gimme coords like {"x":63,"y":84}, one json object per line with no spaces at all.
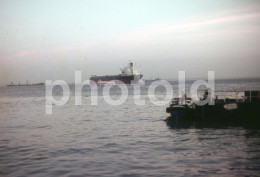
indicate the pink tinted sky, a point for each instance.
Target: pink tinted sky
{"x":215,"y":37}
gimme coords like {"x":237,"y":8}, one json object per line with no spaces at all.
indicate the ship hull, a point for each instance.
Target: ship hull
{"x":125,"y":79}
{"x":13,"y":85}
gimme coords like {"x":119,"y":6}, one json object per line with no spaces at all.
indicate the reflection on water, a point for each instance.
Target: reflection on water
{"x":125,"y":140}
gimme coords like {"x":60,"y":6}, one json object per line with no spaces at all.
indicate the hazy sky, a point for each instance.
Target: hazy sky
{"x":42,"y":40}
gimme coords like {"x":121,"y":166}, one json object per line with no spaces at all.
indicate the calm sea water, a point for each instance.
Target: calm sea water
{"x":125,"y":140}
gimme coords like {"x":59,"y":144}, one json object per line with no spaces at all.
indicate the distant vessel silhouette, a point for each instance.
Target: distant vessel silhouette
{"x":128,"y":74}
{"x":151,"y":80}
{"x":27,"y":84}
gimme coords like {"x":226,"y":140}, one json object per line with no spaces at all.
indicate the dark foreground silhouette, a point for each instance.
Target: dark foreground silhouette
{"x":246,"y":115}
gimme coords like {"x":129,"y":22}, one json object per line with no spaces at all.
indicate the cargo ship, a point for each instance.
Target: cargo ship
{"x":27,"y":84}
{"x":129,"y":74}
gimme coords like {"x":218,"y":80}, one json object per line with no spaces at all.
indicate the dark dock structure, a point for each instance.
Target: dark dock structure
{"x":230,"y":109}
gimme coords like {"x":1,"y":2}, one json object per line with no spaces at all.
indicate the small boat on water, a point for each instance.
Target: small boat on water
{"x":151,"y":80}
{"x":180,"y":106}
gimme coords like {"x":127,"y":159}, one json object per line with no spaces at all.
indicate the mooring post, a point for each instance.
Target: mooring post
{"x":237,"y":95}
{"x":224,"y":93}
{"x":250,"y":96}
